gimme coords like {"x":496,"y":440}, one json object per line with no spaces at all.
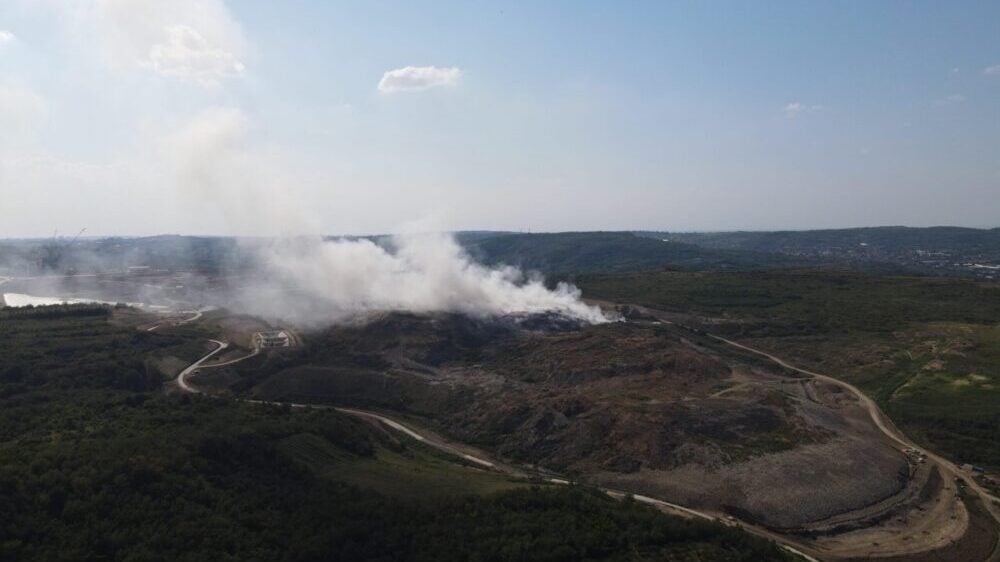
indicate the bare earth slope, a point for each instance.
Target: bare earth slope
{"x":639,"y":406}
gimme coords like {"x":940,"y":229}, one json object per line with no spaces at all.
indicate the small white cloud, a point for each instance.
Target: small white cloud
{"x":6,"y":38}
{"x":416,"y":78}
{"x":995,"y":69}
{"x":950,"y":100}
{"x":187,"y":55}
{"x":794,"y":109}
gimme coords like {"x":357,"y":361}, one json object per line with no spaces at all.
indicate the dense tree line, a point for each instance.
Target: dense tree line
{"x":802,"y":301}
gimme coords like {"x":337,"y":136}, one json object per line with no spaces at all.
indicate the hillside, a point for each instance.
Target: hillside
{"x":925,"y":347}
{"x":117,"y":254}
{"x":98,"y":462}
{"x":580,"y":252}
{"x":943,"y":249}
{"x":633,"y":406}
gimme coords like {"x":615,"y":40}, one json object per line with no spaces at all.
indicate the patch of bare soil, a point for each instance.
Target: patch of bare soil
{"x":785,"y":490}
{"x":133,"y":318}
{"x":170,"y":366}
{"x":931,"y":542}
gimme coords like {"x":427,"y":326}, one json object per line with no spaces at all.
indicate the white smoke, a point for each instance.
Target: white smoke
{"x":312,"y":279}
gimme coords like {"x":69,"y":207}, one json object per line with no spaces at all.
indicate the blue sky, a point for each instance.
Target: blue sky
{"x":144,"y":117}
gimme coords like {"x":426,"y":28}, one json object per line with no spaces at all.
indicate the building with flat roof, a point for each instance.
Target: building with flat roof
{"x":271,"y":339}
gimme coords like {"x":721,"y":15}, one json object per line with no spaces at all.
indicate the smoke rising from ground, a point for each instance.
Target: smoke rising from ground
{"x":306,"y":280}
{"x":316,"y":280}
{"x":290,"y":271}
{"x":311,"y":279}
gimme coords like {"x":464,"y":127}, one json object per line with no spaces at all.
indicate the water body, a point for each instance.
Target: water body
{"x":19,"y":299}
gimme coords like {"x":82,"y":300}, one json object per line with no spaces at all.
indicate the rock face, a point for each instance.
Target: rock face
{"x":638,"y":406}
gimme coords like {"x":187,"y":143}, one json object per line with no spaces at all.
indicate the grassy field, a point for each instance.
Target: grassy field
{"x":413,"y":472}
{"x":928,"y":349}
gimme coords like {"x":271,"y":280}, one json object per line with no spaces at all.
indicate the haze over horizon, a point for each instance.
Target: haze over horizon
{"x":137,"y":117}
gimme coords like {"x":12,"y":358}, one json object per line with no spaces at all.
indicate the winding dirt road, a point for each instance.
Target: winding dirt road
{"x":878,"y":417}
{"x":465,"y":453}
{"x":183,"y":375}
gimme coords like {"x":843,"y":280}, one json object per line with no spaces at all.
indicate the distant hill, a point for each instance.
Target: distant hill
{"x":944,"y":249}
{"x":939,"y":250}
{"x":589,"y":252}
{"x":194,"y":253}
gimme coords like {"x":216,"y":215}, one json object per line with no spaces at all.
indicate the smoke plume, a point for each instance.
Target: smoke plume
{"x":310,"y":278}
{"x":314,"y":280}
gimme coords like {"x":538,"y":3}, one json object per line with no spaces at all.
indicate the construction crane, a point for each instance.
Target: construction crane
{"x":52,"y":254}
{"x":77,"y":237}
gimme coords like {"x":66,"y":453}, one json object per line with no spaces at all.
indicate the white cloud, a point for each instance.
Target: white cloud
{"x":187,"y":55}
{"x":6,"y":38}
{"x":196,"y":40}
{"x":995,"y":69}
{"x":795,"y":108}
{"x":950,"y":100}
{"x":416,"y":78}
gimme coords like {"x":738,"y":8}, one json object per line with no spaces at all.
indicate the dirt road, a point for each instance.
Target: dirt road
{"x":466,"y":453}
{"x":182,"y":377}
{"x":885,"y":425}
{"x":195,"y":315}
{"x":879,"y":419}
{"x":948,"y":469}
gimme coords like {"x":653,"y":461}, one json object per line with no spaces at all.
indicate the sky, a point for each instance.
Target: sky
{"x":142,"y":117}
